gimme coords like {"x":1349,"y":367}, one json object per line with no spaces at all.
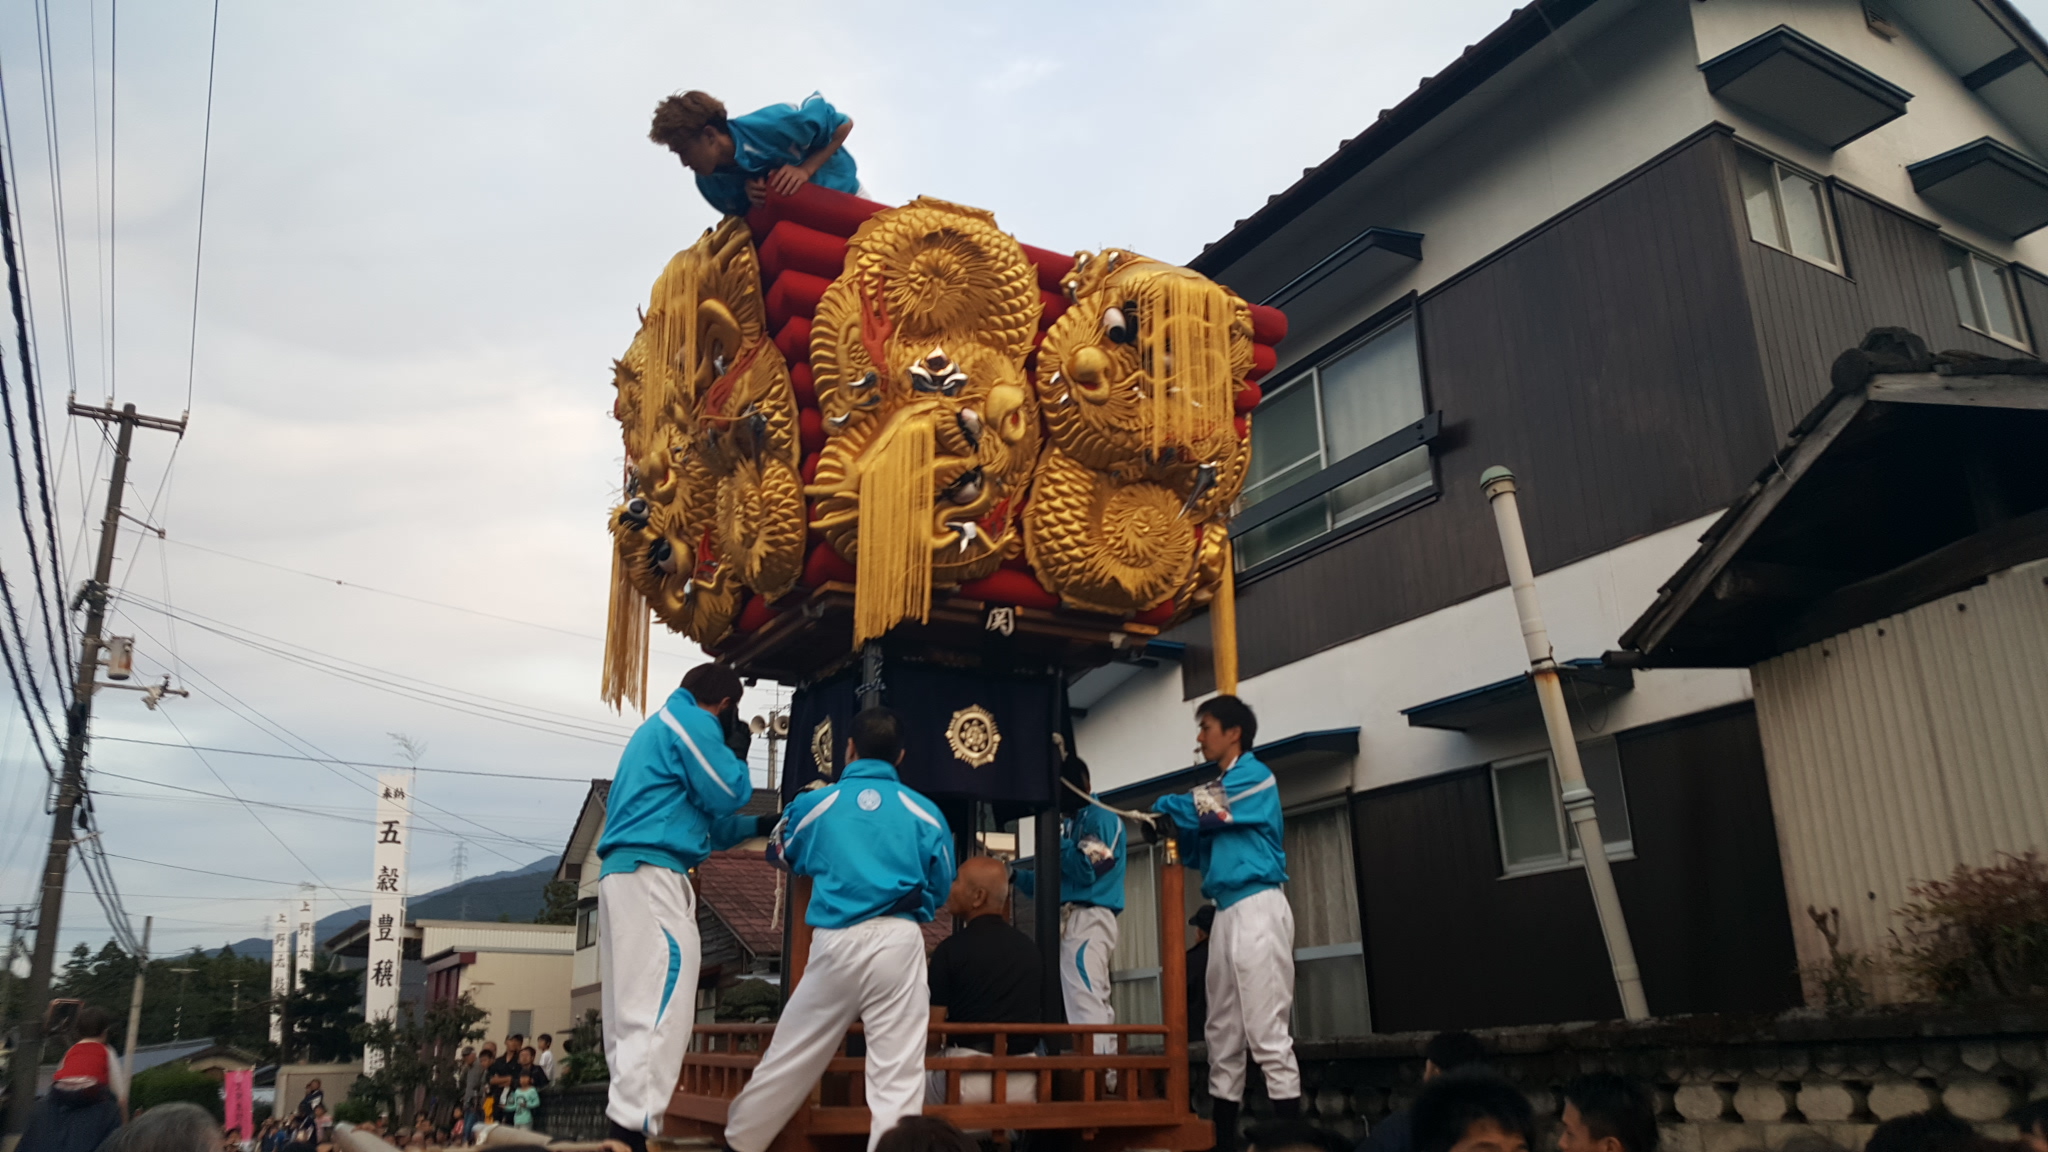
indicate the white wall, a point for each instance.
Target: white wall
{"x":1146,"y":729}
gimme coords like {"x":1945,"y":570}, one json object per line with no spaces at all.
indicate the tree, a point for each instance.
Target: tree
{"x":558,"y":903}
{"x":168,"y":1083}
{"x":419,"y":1055}
{"x":324,"y":1012}
{"x":585,"y":1049}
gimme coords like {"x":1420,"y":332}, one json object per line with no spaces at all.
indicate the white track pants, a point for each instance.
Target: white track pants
{"x":1251,"y":997}
{"x":647,"y":922}
{"x":1087,"y":941}
{"x":873,"y":972}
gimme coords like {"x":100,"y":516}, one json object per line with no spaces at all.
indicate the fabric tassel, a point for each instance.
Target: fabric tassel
{"x":893,"y":580}
{"x":1184,"y":345}
{"x":626,"y":637}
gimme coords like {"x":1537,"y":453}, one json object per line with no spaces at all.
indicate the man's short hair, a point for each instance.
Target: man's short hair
{"x":1922,"y":1132}
{"x":685,"y":116}
{"x":710,"y":683}
{"x":925,"y":1134}
{"x":178,"y":1126}
{"x":1450,"y":1105}
{"x":1450,"y":1051}
{"x":514,"y":1036}
{"x":1615,"y":1106}
{"x":1230,"y":712}
{"x":1294,"y":1136}
{"x":878,"y":735}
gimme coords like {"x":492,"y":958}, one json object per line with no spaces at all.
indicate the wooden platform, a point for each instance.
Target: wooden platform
{"x":813,"y":635}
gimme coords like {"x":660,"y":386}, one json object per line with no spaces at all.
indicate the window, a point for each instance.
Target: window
{"x":586,"y":927}
{"x":1341,"y":406}
{"x":1985,"y":300}
{"x":1787,"y":210}
{"x":1134,"y":969}
{"x":519,"y":1023}
{"x":1329,"y":950}
{"x":1535,"y":836}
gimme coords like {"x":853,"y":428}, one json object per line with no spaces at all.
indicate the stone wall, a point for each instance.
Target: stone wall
{"x":1723,"y":1085}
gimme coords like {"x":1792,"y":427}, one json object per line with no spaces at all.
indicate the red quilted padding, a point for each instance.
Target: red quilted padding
{"x":1053,"y":307}
{"x":756,"y":613}
{"x":1263,"y":360}
{"x":811,"y":428}
{"x":806,"y":388}
{"x":1004,"y":586}
{"x":826,"y":566}
{"x":1051,"y":266}
{"x":1248,"y":396}
{"x":1155,"y":616}
{"x":1244,"y":426}
{"x":1269,"y":325}
{"x":810,"y":468}
{"x":791,"y":247}
{"x":834,"y":213}
{"x":794,"y":294}
{"x":794,"y":338}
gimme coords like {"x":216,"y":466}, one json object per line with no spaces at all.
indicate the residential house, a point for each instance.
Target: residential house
{"x":518,"y":973}
{"x":1615,"y":246}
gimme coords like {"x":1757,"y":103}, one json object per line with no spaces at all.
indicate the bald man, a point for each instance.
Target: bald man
{"x":986,"y":973}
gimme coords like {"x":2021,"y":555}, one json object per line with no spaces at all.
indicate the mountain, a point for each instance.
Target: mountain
{"x":515,"y":893}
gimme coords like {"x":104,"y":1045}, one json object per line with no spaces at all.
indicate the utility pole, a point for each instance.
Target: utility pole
{"x":178,"y":1021}
{"x":77,"y":732}
{"x":135,"y":1009}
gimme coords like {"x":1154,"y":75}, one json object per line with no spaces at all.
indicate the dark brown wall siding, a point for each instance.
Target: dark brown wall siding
{"x":1806,"y":315}
{"x":1608,"y":358}
{"x":2034,"y":298}
{"x":1449,"y":943}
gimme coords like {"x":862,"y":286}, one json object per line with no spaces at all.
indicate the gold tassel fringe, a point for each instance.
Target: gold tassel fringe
{"x":1184,"y":345}
{"x":895,"y":542}
{"x":626,"y":636}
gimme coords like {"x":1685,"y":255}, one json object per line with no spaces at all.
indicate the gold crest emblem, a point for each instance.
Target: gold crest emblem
{"x":973,"y":736}
{"x":821,"y":747}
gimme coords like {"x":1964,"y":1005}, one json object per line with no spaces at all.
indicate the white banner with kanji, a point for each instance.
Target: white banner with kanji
{"x":280,"y":972}
{"x":304,"y":957}
{"x":387,"y":903}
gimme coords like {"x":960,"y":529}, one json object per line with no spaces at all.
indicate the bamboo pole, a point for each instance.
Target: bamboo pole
{"x":1499,"y":484}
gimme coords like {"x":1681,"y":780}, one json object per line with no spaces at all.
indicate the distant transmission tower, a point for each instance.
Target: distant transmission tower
{"x":461,"y":858}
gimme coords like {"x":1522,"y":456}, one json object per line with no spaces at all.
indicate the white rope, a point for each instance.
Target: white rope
{"x":1125,"y":813}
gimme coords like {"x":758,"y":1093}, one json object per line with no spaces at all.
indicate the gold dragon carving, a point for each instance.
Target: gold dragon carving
{"x":1137,"y":382}
{"x":932,"y":430}
{"x":714,"y":500}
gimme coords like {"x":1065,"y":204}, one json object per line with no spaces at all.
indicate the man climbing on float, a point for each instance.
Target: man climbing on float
{"x":1230,"y":831}
{"x":1092,"y":852}
{"x":680,"y":781}
{"x":880,"y":859}
{"x":739,"y":160}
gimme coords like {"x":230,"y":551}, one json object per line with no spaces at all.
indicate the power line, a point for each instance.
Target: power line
{"x":350,"y":763}
{"x":199,"y":245}
{"x":223,"y":875}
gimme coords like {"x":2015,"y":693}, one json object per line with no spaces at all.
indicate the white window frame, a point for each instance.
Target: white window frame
{"x":1827,"y":210}
{"x":2013,"y":304}
{"x":1574,"y":856}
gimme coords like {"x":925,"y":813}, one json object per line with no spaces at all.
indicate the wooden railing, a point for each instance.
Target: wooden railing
{"x":1121,"y":1099}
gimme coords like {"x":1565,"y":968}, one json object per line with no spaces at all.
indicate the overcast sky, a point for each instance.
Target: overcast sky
{"x":427,"y":230}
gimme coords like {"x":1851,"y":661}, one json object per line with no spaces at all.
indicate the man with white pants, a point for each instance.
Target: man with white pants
{"x":880,"y":858}
{"x":672,"y":801}
{"x":1230,"y":830}
{"x":1092,"y":852}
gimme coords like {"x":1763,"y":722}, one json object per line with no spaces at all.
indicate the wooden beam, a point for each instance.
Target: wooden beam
{"x":1930,"y":577}
{"x":2029,"y":393}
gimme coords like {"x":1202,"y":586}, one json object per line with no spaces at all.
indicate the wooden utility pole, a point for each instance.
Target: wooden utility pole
{"x":70,"y":786}
{"x":135,"y":1011}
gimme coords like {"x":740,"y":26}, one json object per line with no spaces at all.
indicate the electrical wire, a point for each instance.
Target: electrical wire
{"x":230,"y":799}
{"x":199,"y":244}
{"x":351,"y":763}
{"x":14,"y":677}
{"x":224,"y":875}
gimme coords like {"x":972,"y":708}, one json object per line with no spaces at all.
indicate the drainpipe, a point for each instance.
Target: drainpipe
{"x":1499,"y":485}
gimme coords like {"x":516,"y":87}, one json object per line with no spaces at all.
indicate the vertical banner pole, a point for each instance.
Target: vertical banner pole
{"x":387,"y":905}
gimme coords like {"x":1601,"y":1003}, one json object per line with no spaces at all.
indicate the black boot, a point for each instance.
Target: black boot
{"x":631,"y":1138}
{"x":1224,"y":1114}
{"x":1287,"y":1109}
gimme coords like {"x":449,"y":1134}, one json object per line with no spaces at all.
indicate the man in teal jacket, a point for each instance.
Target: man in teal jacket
{"x":1092,"y":856}
{"x":672,"y":801}
{"x":880,"y":859}
{"x":1230,"y":830}
{"x":739,"y":160}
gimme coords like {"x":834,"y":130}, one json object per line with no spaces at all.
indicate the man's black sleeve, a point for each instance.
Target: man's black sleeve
{"x":941,"y":974}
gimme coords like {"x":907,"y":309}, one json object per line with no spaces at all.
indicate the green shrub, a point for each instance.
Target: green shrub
{"x":749,"y":1002}
{"x":169,"y":1083}
{"x":1981,"y":934}
{"x":356,"y":1110}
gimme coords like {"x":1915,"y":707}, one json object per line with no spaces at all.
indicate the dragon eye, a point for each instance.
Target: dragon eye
{"x":1118,"y":327}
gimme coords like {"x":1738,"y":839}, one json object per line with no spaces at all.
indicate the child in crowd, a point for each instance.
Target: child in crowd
{"x":525,"y":1099}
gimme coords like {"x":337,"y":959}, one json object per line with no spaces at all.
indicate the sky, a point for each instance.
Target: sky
{"x":427,"y":229}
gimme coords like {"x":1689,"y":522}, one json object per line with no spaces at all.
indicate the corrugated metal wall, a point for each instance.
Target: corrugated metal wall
{"x":1905,"y":747}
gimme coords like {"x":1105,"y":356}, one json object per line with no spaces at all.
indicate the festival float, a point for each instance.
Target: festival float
{"x":894,"y":456}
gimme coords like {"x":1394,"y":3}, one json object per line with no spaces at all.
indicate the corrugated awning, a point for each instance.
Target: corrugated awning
{"x":1504,"y":703}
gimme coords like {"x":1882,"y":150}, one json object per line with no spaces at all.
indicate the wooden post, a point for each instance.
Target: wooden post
{"x":1173,"y":976}
{"x":1223,"y":624}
